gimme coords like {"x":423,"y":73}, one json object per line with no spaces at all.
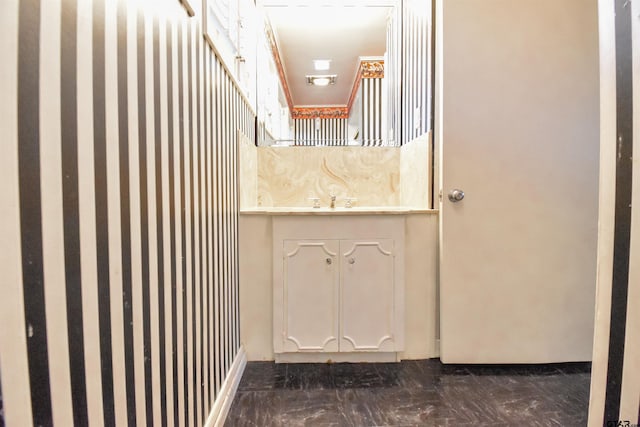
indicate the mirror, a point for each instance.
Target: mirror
{"x":327,"y":73}
{"x":230,"y":29}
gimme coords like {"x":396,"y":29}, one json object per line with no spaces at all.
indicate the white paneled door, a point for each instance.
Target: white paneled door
{"x":517,"y":121}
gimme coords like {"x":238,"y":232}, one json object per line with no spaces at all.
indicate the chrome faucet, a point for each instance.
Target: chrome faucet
{"x":333,"y":201}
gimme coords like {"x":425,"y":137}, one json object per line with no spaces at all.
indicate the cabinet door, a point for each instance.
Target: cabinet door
{"x":311,"y":275}
{"x":367,"y":311}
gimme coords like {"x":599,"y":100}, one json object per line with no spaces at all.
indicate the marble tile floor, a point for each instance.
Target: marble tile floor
{"x":411,"y":393}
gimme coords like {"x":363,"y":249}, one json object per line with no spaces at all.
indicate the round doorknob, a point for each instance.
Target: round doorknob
{"x":352,"y":260}
{"x":456,"y":195}
{"x":329,"y":261}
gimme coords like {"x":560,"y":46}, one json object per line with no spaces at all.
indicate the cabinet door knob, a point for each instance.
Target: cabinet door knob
{"x":352,"y":260}
{"x":329,"y":261}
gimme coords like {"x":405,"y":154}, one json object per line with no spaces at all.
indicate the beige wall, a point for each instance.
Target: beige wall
{"x":421,"y":282}
{"x":256,"y":291}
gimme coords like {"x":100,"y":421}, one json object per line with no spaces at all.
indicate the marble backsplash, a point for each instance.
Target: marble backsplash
{"x":248,"y":171}
{"x":415,"y":173}
{"x":375,"y":176}
{"x":289,"y":176}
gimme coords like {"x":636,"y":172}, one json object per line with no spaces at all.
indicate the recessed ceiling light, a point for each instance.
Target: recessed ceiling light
{"x":322,"y":80}
{"x":322,"y":64}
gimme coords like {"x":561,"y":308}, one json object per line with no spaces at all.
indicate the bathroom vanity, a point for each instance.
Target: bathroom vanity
{"x":338,"y":284}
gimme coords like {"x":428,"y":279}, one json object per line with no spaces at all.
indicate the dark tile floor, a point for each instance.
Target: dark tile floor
{"x":411,"y":393}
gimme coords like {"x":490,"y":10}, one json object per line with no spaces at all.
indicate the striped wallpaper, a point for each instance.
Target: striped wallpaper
{"x":416,"y":59}
{"x":334,"y":132}
{"x":119,"y":214}
{"x":372,"y":120}
{"x":615,"y":374}
{"x":392,"y":70}
{"x":408,"y":72}
{"x":328,"y":132}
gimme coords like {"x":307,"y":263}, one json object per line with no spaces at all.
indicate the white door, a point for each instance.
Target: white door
{"x":517,"y":122}
{"x":367,"y":295}
{"x":310,"y":309}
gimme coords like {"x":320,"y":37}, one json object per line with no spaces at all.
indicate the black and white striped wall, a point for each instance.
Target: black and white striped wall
{"x":320,"y":132}
{"x":615,"y":377}
{"x":334,"y":132}
{"x":119,"y":214}
{"x":416,"y":58}
{"x":372,"y":120}
{"x":408,"y":72}
{"x":392,"y":70}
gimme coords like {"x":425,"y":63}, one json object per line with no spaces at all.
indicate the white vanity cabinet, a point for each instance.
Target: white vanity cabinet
{"x":338,"y":284}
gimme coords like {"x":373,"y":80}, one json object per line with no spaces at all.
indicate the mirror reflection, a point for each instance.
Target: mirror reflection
{"x":326,"y":74}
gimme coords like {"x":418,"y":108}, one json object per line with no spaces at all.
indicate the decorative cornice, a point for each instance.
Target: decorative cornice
{"x":276,"y":58}
{"x":354,"y":90}
{"x":368,"y":69}
{"x":320,"y":112}
{"x":372,"y":69}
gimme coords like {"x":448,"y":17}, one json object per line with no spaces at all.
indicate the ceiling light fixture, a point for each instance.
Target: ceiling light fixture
{"x":322,"y":80}
{"x":322,"y":64}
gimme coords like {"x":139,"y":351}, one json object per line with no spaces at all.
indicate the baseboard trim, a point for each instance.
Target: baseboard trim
{"x":221,"y":406}
{"x":362,"y":357}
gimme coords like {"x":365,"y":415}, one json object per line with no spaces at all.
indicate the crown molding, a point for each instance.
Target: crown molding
{"x":276,"y":58}
{"x":368,"y":69}
{"x":320,"y":112}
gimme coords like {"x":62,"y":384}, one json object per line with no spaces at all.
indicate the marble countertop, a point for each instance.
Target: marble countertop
{"x":358,"y":210}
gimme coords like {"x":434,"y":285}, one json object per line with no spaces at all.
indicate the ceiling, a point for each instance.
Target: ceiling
{"x":339,"y":33}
